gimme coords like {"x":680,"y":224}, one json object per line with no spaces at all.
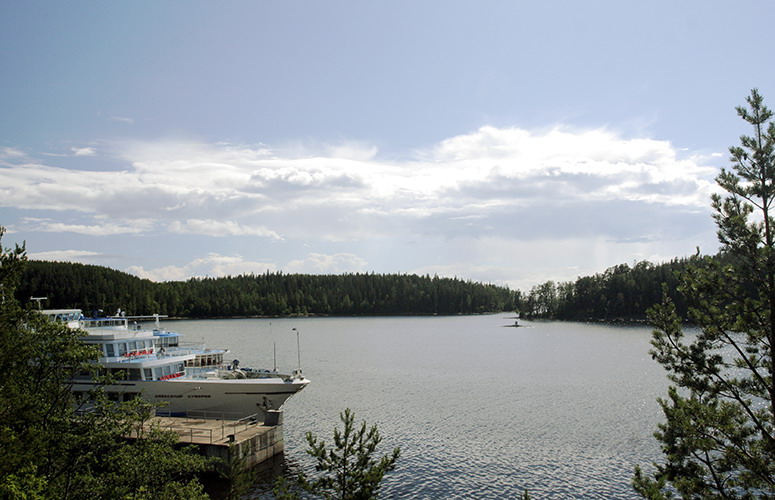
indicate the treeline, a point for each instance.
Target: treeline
{"x":88,"y":287}
{"x":622,"y":292}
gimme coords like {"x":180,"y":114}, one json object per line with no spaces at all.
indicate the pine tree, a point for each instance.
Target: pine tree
{"x":718,"y":436}
{"x":349,"y":470}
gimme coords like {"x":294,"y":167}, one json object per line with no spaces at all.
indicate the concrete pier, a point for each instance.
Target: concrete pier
{"x":214,"y":437}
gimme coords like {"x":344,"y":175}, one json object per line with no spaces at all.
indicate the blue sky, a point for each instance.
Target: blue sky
{"x":505,"y":142}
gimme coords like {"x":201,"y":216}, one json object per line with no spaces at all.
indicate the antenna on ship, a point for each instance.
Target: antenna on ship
{"x":38,"y":300}
{"x":274,"y":346}
{"x":298,"y":349}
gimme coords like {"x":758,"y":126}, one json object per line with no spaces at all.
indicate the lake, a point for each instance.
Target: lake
{"x":479,"y":409}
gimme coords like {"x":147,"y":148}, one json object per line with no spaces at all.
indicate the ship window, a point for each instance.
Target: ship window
{"x":148,"y":374}
{"x":134,"y":374}
{"x":122,"y":348}
{"x":109,"y":350}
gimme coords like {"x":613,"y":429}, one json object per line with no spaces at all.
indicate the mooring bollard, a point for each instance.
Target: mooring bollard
{"x":273,"y":418}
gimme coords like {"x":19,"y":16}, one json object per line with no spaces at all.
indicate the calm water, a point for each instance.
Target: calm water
{"x":564,"y":410}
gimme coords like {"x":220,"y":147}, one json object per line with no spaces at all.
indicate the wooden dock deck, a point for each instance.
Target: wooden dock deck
{"x":248,"y":440}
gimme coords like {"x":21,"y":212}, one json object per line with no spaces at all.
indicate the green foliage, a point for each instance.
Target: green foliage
{"x":718,"y":436}
{"x":237,"y":473}
{"x":70,"y":285}
{"x":349,"y":470}
{"x":622,"y":292}
{"x":47,"y":449}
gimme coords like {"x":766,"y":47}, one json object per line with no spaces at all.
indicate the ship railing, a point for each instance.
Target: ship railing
{"x":128,"y":357}
{"x":108,"y":323}
{"x":206,"y":415}
{"x":181,"y":350}
{"x":187,"y":430}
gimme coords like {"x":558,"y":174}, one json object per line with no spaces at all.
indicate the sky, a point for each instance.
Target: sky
{"x":505,"y":142}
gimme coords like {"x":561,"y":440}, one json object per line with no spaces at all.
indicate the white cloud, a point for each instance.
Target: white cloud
{"x":463,"y":176}
{"x":316,"y":263}
{"x":621,"y":168}
{"x":160,"y":274}
{"x":81,"y":256}
{"x":220,"y":228}
{"x":7,"y":152}
{"x":353,"y":151}
{"x":100,"y":226}
{"x":212,"y":265}
{"x":508,"y":183}
{"x":88,"y":151}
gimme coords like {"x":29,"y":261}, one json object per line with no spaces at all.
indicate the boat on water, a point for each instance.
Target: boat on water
{"x":183,"y":380}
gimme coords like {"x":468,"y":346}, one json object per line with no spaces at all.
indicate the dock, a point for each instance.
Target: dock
{"x":244,"y":440}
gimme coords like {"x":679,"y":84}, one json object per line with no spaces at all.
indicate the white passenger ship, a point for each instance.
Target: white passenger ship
{"x":185,"y":381}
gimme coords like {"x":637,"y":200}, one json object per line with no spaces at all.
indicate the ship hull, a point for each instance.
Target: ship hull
{"x":230,"y":399}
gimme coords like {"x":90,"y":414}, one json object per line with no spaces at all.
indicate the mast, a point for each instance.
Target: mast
{"x":298,"y":349}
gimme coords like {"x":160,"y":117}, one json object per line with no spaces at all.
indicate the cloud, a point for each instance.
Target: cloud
{"x":123,"y":119}
{"x":99,"y":226}
{"x":82,"y":256}
{"x":316,"y":263}
{"x":89,"y":151}
{"x":220,"y":228}
{"x":218,"y":265}
{"x":212,"y":265}
{"x":349,"y":205}
{"x":292,"y":180}
{"x":8,"y":153}
{"x":353,"y":151}
{"x":466,"y":175}
{"x":161,"y":274}
{"x":593,"y":164}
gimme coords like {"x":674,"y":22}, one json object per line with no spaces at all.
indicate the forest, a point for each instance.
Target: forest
{"x":620,"y":293}
{"x":92,"y":288}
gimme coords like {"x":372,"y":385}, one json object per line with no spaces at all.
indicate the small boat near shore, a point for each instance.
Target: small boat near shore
{"x":183,"y":380}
